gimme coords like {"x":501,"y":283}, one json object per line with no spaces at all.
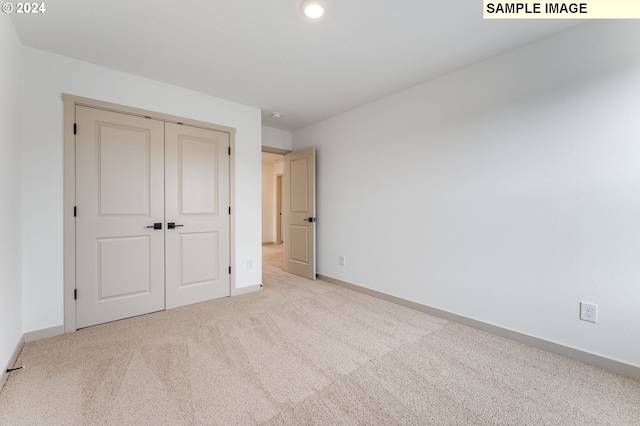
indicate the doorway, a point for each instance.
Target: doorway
{"x":288,"y":207}
{"x":272,"y":172}
{"x":279,"y":208}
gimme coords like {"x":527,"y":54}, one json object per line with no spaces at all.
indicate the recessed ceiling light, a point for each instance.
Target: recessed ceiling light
{"x":276,"y":115}
{"x":312,"y":9}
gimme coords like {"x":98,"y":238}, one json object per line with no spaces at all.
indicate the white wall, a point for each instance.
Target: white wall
{"x":10,"y":190}
{"x":276,"y":138}
{"x":48,"y":76}
{"x":507,"y":192}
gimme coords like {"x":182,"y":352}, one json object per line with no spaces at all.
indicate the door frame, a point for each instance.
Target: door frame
{"x":69,"y":197}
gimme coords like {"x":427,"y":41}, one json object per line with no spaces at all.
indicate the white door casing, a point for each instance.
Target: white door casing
{"x":299,"y":213}
{"x":119,"y":194}
{"x":134,"y":177}
{"x":197,"y":202}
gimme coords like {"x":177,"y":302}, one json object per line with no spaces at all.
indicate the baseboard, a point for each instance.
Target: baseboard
{"x":12,"y":360}
{"x":614,"y":366}
{"x":45,"y":333}
{"x":248,"y":289}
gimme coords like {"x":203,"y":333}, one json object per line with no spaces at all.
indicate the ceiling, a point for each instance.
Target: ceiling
{"x":265,"y":54}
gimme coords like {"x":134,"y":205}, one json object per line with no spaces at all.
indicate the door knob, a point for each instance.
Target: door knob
{"x":311,"y":219}
{"x":157,"y":225}
{"x":172,"y":225}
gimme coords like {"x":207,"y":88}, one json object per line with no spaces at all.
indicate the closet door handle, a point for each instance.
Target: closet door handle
{"x":172,"y":225}
{"x":157,"y":225}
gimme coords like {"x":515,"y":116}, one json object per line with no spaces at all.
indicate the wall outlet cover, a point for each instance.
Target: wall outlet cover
{"x":588,"y":312}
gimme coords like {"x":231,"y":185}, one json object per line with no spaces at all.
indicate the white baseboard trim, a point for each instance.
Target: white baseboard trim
{"x":30,"y":336}
{"x":245,"y":290}
{"x":45,"y":333}
{"x":12,"y":360}
{"x":614,"y":366}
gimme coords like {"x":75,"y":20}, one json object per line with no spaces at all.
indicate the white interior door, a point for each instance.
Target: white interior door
{"x":299,"y":194}
{"x":119,"y":197}
{"x":197,"y":204}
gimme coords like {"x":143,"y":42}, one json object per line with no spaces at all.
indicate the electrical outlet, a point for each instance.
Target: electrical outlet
{"x":588,"y":312}
{"x":250,"y":264}
{"x":341,"y":260}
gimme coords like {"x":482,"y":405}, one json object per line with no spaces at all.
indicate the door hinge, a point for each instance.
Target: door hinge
{"x":229,"y":150}
{"x":75,"y":128}
{"x":229,"y":270}
{"x":75,"y":294}
{"x":229,"y":209}
{"x":75,"y":211}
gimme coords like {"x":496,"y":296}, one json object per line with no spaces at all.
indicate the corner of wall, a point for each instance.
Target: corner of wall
{"x":11,"y":281}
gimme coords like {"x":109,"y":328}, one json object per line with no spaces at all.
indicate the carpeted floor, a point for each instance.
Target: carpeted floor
{"x":303,"y":352}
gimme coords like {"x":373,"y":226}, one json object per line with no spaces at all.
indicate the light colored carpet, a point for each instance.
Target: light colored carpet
{"x":303,"y":352}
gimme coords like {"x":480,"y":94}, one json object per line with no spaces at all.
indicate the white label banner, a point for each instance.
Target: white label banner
{"x":588,"y":9}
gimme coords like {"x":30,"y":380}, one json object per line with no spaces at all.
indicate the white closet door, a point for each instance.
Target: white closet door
{"x":197,"y":215}
{"x":119,"y":197}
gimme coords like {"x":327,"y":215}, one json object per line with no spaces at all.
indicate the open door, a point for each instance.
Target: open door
{"x":299,"y":213}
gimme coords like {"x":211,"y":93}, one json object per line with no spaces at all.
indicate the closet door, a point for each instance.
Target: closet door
{"x":119,"y":197}
{"x":197,"y":214}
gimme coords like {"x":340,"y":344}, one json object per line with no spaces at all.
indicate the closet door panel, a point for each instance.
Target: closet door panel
{"x":119,"y":197}
{"x":197,"y":204}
